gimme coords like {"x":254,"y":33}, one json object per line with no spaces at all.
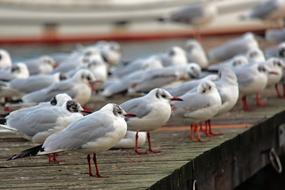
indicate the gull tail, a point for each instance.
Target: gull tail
{"x":7,"y":127}
{"x":27,"y":153}
{"x":210,"y":70}
{"x":2,"y":121}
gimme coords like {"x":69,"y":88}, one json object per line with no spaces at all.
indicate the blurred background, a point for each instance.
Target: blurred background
{"x":50,"y":26}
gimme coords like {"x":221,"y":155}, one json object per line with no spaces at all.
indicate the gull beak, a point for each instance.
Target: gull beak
{"x":273,"y":73}
{"x":86,"y":112}
{"x":176,"y":99}
{"x":128,"y":115}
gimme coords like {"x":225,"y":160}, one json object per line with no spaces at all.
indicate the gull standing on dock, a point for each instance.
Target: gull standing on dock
{"x":152,"y":111}
{"x":199,"y":105}
{"x":252,"y":79}
{"x":91,"y":134}
{"x":77,"y":87}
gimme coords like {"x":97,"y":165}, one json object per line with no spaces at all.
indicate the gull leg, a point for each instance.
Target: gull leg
{"x":191,"y":135}
{"x":197,"y":130}
{"x":136,"y":145}
{"x":244,"y":104}
{"x":55,"y":160}
{"x":149,"y":144}
{"x":277,"y":91}
{"x":258,"y":100}
{"x":205,"y":129}
{"x":96,"y":166}
{"x":89,"y":165}
{"x":210,"y":129}
{"x":49,"y":158}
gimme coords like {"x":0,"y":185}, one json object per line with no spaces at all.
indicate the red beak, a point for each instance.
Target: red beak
{"x":86,"y":111}
{"x":130,"y":115}
{"x":176,"y":99}
{"x":273,"y":73}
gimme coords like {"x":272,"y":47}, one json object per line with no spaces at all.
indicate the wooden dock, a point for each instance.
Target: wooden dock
{"x":222,"y":162}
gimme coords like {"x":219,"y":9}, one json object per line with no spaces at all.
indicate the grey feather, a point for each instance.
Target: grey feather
{"x":89,"y":128}
{"x":138,"y":106}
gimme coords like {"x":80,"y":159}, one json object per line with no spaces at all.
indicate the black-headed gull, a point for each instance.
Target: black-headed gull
{"x":252,"y":79}
{"x":174,"y":56}
{"x":91,"y":134}
{"x":77,"y":87}
{"x":5,"y":59}
{"x":19,"y":70}
{"x":276,"y":67}
{"x":19,"y":87}
{"x":39,"y":122}
{"x":196,"y":54}
{"x":194,"y":14}
{"x":152,"y":111}
{"x":160,"y":77}
{"x":272,"y":10}
{"x":199,"y":105}
{"x":231,"y":48}
{"x":41,"y":65}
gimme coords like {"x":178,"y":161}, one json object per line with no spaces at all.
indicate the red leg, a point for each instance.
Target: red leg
{"x":244,"y":103}
{"x":277,"y":91}
{"x":149,"y":144}
{"x":210,"y":129}
{"x":87,"y":109}
{"x":50,"y":158}
{"x":89,"y":165}
{"x":192,"y":132}
{"x":136,"y":145}
{"x":258,"y":100}
{"x":198,"y":133}
{"x":55,"y":160}
{"x":203,"y":129}
{"x":96,"y":166}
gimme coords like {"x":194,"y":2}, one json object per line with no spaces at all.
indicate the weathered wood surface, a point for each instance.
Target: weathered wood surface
{"x":126,"y":170}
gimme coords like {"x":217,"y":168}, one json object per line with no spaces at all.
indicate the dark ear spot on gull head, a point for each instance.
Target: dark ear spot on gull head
{"x":72,"y":106}
{"x":104,"y":57}
{"x":15,"y":68}
{"x":62,"y":76}
{"x":53,"y":101}
{"x":281,"y":52}
{"x":261,"y":69}
{"x":119,"y":112}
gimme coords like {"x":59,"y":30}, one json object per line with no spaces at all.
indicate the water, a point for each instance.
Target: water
{"x":131,"y":50}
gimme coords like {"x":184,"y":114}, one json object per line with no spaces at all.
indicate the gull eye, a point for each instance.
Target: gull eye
{"x":0,"y":56}
{"x":88,"y":78}
{"x":204,"y":91}
{"x":163,"y":96}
